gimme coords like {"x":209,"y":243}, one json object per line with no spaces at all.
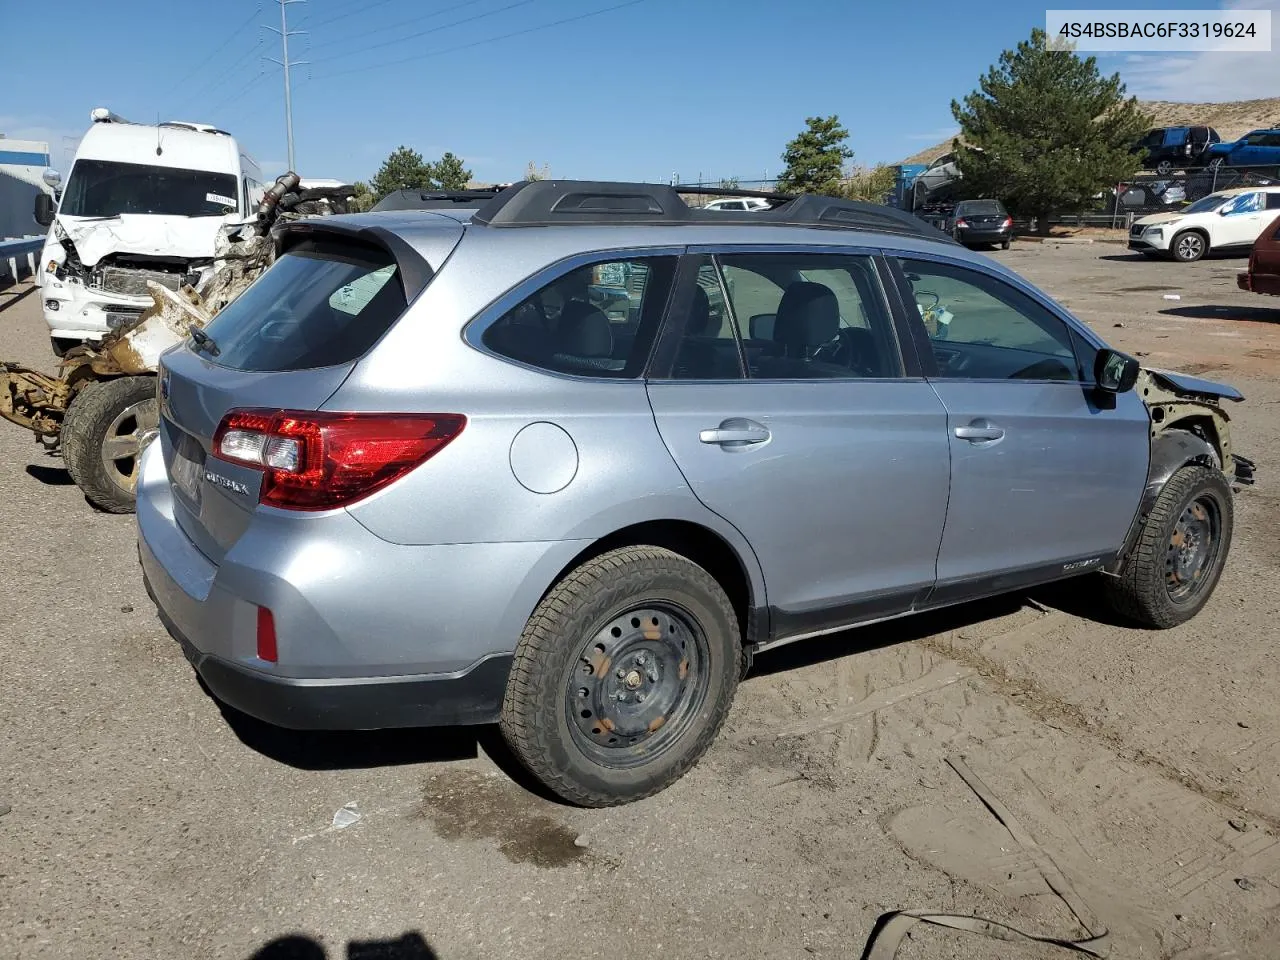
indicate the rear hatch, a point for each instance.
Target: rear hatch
{"x":983,"y":217}
{"x":285,"y":344}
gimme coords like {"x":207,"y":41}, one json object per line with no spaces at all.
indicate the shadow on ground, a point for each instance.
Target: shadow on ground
{"x":1210,"y":311}
{"x":50,"y":476}
{"x":11,"y":292}
{"x":410,"y":946}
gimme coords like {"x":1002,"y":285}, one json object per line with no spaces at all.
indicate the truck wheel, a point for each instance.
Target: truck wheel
{"x":1188,"y":246}
{"x":1164,"y":168}
{"x":103,"y":434}
{"x":1181,"y":551}
{"x":622,"y":677}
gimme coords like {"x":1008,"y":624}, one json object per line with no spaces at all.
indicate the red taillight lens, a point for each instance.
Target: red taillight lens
{"x":1008,"y":222}
{"x":266,"y":635}
{"x":962,"y":222}
{"x":318,"y":460}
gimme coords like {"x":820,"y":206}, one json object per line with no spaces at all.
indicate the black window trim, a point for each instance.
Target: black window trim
{"x":910,"y":370}
{"x":925,"y":345}
{"x":473,"y":330}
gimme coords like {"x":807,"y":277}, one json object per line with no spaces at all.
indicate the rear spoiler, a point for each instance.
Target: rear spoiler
{"x":411,"y":266}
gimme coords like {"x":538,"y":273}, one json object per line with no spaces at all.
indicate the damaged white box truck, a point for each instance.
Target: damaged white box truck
{"x":142,"y":202}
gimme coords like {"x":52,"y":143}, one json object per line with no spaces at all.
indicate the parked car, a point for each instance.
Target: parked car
{"x":1226,"y":220}
{"x":1263,"y":275}
{"x":468,"y":495}
{"x":939,"y":177}
{"x":1258,"y":148}
{"x":1175,"y":148}
{"x":982,"y":222}
{"x":738,"y":203}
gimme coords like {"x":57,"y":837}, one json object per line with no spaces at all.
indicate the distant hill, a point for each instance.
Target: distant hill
{"x":1231,"y":120}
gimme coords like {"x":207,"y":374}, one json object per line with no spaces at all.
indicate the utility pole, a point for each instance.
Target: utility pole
{"x":285,"y":33}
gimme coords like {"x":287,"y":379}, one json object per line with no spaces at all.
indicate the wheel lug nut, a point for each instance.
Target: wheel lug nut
{"x":619,"y":696}
{"x":639,"y":698}
{"x":621,"y":674}
{"x":641,"y":659}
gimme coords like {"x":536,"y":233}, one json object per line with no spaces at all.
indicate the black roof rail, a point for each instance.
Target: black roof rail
{"x":413,"y":199}
{"x":545,"y":203}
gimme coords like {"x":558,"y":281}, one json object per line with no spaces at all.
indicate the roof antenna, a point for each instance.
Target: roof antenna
{"x":159,"y":150}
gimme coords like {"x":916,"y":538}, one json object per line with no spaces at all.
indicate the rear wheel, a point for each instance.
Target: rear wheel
{"x":1004,"y":244}
{"x":103,"y":434}
{"x":1164,"y":168}
{"x":622,"y":677}
{"x":1181,"y":551}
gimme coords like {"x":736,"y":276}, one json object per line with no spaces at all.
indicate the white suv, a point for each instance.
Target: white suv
{"x":1226,"y":220}
{"x":739,"y":203}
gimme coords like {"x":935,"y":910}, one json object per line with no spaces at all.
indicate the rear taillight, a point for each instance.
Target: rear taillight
{"x":962,"y":223}
{"x":1008,"y":222}
{"x":318,"y":461}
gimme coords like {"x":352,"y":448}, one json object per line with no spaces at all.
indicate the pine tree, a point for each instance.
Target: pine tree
{"x":815,"y":158}
{"x":1046,"y":132}
{"x":403,"y":170}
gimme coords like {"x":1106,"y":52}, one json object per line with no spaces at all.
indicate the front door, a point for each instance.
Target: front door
{"x":1240,"y":221}
{"x":1044,"y":481}
{"x":808,"y":436}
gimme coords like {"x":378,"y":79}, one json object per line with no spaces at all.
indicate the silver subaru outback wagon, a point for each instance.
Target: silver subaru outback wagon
{"x":567,"y":460}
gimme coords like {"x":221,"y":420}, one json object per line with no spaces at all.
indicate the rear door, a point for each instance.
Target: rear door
{"x":287,"y":342}
{"x":1042,"y":477}
{"x":816,"y":439}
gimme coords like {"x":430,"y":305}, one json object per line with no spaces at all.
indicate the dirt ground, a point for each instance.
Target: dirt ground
{"x":1140,"y":770}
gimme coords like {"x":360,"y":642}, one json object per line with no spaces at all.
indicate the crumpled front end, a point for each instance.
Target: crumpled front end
{"x":1180,"y":402}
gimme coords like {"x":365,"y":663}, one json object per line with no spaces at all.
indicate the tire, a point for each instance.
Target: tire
{"x":667,"y":627}
{"x":1188,"y":246}
{"x":1004,"y":244}
{"x":1164,"y":168}
{"x":103,"y":434}
{"x":1150,"y":588}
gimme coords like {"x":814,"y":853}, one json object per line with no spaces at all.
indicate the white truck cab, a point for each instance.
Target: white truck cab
{"x":142,"y":202}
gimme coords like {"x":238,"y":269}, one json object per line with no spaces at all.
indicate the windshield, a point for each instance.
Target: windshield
{"x":977,"y":208}
{"x":107,"y":188}
{"x":1206,"y":204}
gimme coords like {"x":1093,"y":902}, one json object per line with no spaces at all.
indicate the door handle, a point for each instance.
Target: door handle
{"x":735,"y":432}
{"x":979,"y":431}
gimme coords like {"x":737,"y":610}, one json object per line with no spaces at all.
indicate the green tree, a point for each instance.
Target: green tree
{"x":362,"y":197}
{"x":403,"y":170}
{"x":815,"y":158}
{"x":869,"y":184}
{"x":449,"y":173}
{"x":729,"y":183}
{"x":1046,"y":132}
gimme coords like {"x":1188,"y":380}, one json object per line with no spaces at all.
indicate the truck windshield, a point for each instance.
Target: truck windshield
{"x":107,"y":188}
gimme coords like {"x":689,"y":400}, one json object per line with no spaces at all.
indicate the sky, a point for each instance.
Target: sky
{"x":599,"y":89}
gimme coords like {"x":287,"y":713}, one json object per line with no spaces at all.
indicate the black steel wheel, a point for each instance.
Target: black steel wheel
{"x":622,"y":677}
{"x":1180,"y":553}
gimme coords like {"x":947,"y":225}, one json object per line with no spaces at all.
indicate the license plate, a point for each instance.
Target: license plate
{"x":188,"y":464}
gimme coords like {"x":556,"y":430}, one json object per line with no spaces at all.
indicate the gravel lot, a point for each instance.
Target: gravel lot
{"x":146,"y":823}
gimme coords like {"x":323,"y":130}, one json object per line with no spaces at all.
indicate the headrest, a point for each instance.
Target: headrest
{"x":584,"y":331}
{"x":808,"y":316}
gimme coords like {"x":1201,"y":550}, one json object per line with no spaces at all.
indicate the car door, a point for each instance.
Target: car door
{"x":1045,"y":479}
{"x":816,"y":438}
{"x":1240,"y":221}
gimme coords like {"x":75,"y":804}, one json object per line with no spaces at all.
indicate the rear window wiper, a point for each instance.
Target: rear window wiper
{"x":204,"y":342}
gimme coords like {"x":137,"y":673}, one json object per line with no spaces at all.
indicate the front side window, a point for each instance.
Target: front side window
{"x":594,"y":321}
{"x":1244,"y":203}
{"x":106,"y":188}
{"x":984,"y":329}
{"x":791,"y":316}
{"x":318,"y":305}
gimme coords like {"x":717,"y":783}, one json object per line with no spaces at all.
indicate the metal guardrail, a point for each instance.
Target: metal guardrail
{"x":12,"y":249}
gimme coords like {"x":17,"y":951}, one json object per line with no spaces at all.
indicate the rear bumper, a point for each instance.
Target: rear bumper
{"x":471,"y":696}
{"x":998,"y":235}
{"x":1259,"y":283}
{"x":370,"y":634}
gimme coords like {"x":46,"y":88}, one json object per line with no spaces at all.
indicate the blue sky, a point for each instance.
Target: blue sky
{"x":642,"y":91}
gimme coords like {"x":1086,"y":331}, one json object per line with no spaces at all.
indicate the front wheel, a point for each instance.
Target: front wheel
{"x":103,"y":434}
{"x":622,"y":677}
{"x":1189,"y":246}
{"x":1180,"y":553}
{"x":1164,"y":168}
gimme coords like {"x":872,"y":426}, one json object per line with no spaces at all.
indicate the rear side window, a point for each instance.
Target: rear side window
{"x":596,"y":320}
{"x":319,"y":305}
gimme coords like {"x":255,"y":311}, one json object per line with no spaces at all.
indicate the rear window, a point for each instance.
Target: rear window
{"x":319,"y":305}
{"x":978,"y":208}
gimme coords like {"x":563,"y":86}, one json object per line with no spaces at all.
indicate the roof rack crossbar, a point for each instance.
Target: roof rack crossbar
{"x":543,"y":203}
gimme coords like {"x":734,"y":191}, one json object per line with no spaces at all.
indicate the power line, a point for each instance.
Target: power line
{"x":228,"y":72}
{"x":393,"y":26}
{"x":217,"y":50}
{"x":477,"y":43}
{"x":345,"y":11}
{"x":423,"y":33}
{"x":240,"y":92}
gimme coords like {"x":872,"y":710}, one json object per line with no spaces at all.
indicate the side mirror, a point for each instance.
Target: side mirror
{"x":45,"y":209}
{"x":1115,"y":372}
